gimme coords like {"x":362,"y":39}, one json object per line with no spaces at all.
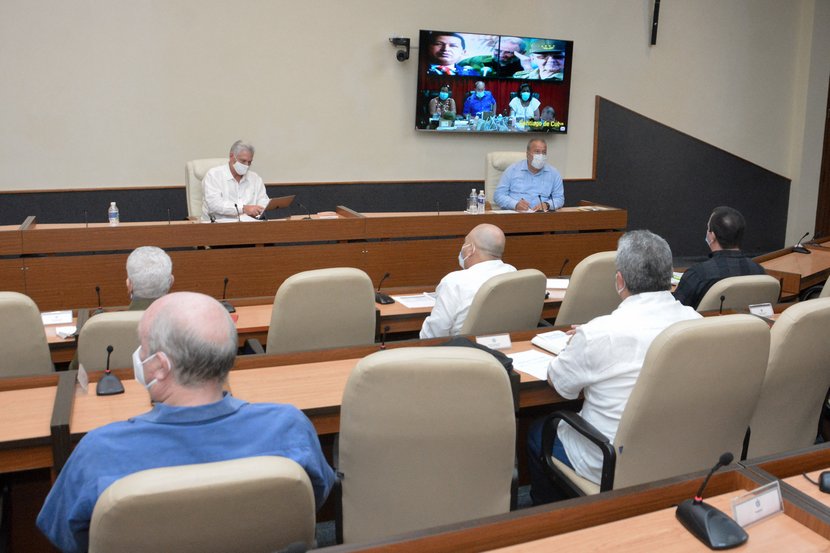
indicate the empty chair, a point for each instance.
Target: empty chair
{"x":740,"y":291}
{"x":698,"y":386}
{"x":591,"y":291}
{"x":252,"y":504}
{"x":796,"y":381}
{"x":427,"y":437}
{"x":117,"y":329}
{"x":23,"y":344}
{"x":194,"y":172}
{"x":324,"y":308}
{"x":494,"y":166}
{"x":506,"y":303}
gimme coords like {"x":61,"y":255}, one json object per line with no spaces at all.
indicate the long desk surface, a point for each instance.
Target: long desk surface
{"x":798,"y":271}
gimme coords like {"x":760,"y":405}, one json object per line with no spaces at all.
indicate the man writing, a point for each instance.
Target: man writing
{"x":531,"y":185}
{"x":480,"y":259}
{"x":188,"y":345}
{"x":233,"y":192}
{"x":724,"y":233}
{"x":604,"y":357}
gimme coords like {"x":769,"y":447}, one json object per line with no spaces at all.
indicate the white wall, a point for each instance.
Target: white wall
{"x":118,"y":93}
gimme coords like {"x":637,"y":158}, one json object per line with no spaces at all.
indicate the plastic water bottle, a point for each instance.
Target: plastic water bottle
{"x":481,"y":200}
{"x":472,"y":202}
{"x":112,"y":214}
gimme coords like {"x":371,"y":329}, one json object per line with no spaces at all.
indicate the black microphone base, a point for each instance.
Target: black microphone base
{"x":800,"y":249}
{"x":383,"y":299}
{"x":709,"y":525}
{"x":109,"y":385}
{"x":227,"y":305}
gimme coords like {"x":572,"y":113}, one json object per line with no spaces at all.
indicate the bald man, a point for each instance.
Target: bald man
{"x":480,"y":259}
{"x":188,"y":345}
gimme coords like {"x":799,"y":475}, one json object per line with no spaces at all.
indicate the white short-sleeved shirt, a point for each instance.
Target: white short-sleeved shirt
{"x":454,"y":296}
{"x":603,"y":361}
{"x":221,"y":192}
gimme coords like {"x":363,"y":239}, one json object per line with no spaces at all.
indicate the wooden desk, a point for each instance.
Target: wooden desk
{"x":413,"y":247}
{"x":797,"y":271}
{"x":25,"y":433}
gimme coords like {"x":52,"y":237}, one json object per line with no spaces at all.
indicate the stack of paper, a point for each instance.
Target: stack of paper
{"x":426,"y":299}
{"x":554,"y":341}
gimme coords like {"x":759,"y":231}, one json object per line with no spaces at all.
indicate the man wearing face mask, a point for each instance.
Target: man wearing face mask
{"x":479,"y":259}
{"x":605,"y":355}
{"x":233,"y":192}
{"x":531,"y":185}
{"x":188,"y":345}
{"x":479,"y":101}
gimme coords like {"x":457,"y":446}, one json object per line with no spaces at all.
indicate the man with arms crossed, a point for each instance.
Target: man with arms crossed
{"x":604,"y":357}
{"x":188,"y":345}
{"x":232,"y":192}
{"x":480,"y":259}
{"x":531,"y":185}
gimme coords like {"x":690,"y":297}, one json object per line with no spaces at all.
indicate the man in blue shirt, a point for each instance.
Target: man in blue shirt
{"x":531,"y":185}
{"x":479,"y":101}
{"x":188,"y":345}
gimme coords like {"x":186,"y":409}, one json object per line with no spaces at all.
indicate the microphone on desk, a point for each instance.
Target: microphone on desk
{"x":543,"y":204}
{"x":720,"y":309}
{"x":169,"y":221}
{"x":86,"y":218}
{"x":708,"y":524}
{"x":100,"y":308}
{"x":307,"y":212}
{"x":109,"y":385}
{"x":799,"y":248}
{"x":212,"y":218}
{"x":380,"y":297}
{"x":383,"y":337}
{"x":226,"y":304}
{"x":562,"y":268}
{"x":438,"y":208}
{"x":238,"y":217}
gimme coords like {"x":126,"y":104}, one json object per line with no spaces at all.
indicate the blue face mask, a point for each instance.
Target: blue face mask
{"x":443,"y":95}
{"x":479,"y":94}
{"x":525,"y":96}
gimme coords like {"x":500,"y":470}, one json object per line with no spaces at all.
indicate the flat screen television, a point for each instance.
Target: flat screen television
{"x":527,"y":83}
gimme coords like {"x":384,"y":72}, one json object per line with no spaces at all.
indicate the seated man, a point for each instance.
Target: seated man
{"x":480,"y":259}
{"x":188,"y":345}
{"x":724,"y":233}
{"x":605,"y":355}
{"x":531,"y":185}
{"x":149,"y":277}
{"x":480,"y":101}
{"x":232,"y":192}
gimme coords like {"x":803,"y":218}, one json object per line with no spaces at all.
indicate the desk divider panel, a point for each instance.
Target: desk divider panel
{"x":61,"y":415}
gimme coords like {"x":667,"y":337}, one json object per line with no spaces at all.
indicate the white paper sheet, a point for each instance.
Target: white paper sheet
{"x":532,"y":362}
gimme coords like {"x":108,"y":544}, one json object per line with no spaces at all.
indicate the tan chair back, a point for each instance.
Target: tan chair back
{"x":119,"y":330}
{"x":694,"y":397}
{"x":324,"y":308}
{"x":427,"y":437}
{"x":506,"y":303}
{"x":252,"y":504}
{"x":825,"y":291}
{"x":741,"y":291}
{"x":591,"y":290}
{"x":796,"y":381}
{"x":494,"y":166}
{"x":194,"y":172}
{"x":23,"y":344}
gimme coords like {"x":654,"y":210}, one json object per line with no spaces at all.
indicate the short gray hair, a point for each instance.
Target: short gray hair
{"x":240,"y":146}
{"x":645,"y":262}
{"x":150,"y":271}
{"x":199,"y":352}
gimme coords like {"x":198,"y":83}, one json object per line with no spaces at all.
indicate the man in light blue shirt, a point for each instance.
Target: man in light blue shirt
{"x":188,"y":345}
{"x":531,"y":185}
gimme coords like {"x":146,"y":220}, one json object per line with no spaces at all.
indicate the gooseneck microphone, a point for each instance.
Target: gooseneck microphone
{"x":307,"y":212}
{"x":708,"y":524}
{"x":226,"y":304}
{"x":799,"y":248}
{"x":100,"y":308}
{"x":543,"y":204}
{"x":169,"y":221}
{"x":720,"y":309}
{"x":86,"y":219}
{"x":109,"y":384}
{"x":380,"y":297}
{"x":238,"y":217}
{"x":564,"y":263}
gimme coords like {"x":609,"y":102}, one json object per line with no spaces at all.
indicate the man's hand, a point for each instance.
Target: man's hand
{"x":523,"y":205}
{"x":541,"y":207}
{"x":252,"y":210}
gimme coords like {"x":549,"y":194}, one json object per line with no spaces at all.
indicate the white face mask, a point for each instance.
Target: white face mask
{"x":461,"y":258}
{"x":539,"y":161}
{"x":240,"y":168}
{"x":138,"y":368}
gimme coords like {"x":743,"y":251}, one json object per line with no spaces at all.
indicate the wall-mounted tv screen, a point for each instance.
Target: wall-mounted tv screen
{"x":470,"y":82}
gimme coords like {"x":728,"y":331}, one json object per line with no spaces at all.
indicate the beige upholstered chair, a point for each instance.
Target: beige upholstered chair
{"x":494,"y":166}
{"x":324,"y":308}
{"x":194,"y":172}
{"x":796,"y":381}
{"x":252,"y":504}
{"x":427,"y":437}
{"x":825,"y":292}
{"x":506,"y":303}
{"x":117,"y":329}
{"x":697,"y":389}
{"x":591,"y":291}
{"x":23,"y":346}
{"x":741,"y":291}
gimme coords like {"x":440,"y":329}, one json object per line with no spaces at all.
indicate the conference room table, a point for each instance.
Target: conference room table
{"x":798,"y":271}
